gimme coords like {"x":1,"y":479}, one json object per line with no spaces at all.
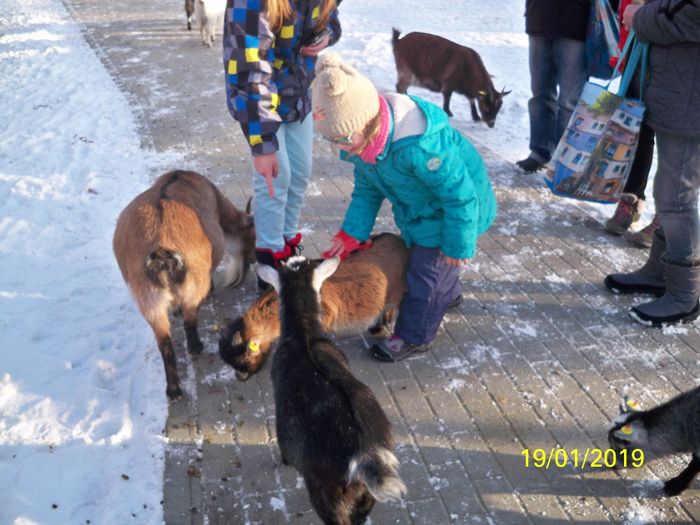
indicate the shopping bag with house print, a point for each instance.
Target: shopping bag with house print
{"x":595,"y":154}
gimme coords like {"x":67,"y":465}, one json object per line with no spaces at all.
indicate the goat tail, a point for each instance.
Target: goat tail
{"x":395,"y":33}
{"x":374,"y":464}
{"x":378,"y":469}
{"x":165,"y":267}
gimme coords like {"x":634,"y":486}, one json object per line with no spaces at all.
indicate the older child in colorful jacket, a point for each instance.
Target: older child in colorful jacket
{"x":270,"y":50}
{"x":405,"y":150}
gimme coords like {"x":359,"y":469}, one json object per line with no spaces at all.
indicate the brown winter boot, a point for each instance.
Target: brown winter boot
{"x":628,"y":211}
{"x":644,"y":237}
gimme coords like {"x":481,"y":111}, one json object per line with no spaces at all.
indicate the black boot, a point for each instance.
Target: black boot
{"x":264,"y":257}
{"x":680,"y":302}
{"x":648,"y":279}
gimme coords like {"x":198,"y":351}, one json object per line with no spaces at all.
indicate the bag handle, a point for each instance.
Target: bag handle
{"x":628,"y":45}
{"x":637,"y":51}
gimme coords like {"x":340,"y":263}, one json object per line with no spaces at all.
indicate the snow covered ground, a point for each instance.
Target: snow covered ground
{"x":81,"y":390}
{"x":82,"y":407}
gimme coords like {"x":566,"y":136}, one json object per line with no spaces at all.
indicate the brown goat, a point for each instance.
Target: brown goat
{"x":365,"y":291}
{"x":189,"y":13}
{"x":437,"y":64}
{"x":168,"y":241}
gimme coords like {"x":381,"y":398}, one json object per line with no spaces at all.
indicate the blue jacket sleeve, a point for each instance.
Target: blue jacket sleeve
{"x":364,"y":206}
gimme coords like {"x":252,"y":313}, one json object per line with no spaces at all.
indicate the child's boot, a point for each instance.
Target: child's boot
{"x":680,"y":302}
{"x":628,"y":211}
{"x":648,"y":279}
{"x":294,"y":245}
{"x":644,"y":237}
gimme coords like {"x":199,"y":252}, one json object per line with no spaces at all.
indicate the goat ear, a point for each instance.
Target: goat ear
{"x":324,"y":270}
{"x":504,"y":92}
{"x":249,"y":205}
{"x":269,"y":275}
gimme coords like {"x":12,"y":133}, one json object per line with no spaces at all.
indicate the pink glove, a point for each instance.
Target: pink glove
{"x":344,"y":245}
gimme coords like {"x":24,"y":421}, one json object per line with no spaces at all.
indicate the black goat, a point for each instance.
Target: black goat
{"x":330,"y":426}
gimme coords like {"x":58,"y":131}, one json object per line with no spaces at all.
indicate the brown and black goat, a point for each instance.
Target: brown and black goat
{"x":364,"y":292}
{"x":189,"y":13}
{"x":168,"y":242}
{"x":438,"y":64}
{"x":330,"y":426}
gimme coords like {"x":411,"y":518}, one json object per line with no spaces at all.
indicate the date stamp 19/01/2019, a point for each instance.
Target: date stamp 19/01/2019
{"x":558,"y":457}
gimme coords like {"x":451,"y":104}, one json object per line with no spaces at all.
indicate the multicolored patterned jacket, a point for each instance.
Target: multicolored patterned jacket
{"x":267,"y":78}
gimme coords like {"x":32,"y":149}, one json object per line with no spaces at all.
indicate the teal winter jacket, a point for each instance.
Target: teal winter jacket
{"x":437,"y":185}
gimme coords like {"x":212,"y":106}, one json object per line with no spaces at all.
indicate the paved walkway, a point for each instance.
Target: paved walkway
{"x":538,"y":354}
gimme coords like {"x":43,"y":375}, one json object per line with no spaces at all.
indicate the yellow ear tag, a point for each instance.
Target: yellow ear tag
{"x":253,"y":347}
{"x":633,"y":404}
{"x":627,"y":429}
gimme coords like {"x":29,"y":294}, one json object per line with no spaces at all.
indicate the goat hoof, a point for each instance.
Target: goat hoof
{"x":242,"y":376}
{"x":382,"y":331}
{"x":174,"y":394}
{"x":672,"y":489}
{"x":195,"y":347}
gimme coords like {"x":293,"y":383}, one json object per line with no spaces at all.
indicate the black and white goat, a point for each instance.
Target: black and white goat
{"x":670,"y":428}
{"x":330,"y":426}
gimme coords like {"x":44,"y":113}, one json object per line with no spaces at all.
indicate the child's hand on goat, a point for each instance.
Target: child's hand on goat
{"x":343,"y":245}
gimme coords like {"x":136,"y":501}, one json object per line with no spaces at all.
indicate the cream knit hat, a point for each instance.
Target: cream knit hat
{"x":348,"y":98}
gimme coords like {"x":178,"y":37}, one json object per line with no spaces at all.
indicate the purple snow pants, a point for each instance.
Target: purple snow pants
{"x":431,"y":285}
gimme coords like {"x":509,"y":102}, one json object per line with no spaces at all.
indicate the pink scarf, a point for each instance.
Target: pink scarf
{"x":374,"y":148}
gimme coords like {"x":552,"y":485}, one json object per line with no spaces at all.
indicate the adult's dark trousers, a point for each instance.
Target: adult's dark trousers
{"x":644,"y":156}
{"x":557,"y":76}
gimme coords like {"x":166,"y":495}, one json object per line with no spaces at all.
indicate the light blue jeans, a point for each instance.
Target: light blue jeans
{"x":278,"y":217}
{"x":554,"y":63}
{"x":676,"y":196}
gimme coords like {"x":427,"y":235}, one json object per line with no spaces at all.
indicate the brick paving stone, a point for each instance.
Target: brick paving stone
{"x":538,"y":355}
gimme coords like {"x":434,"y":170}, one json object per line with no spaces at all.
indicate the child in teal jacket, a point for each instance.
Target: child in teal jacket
{"x":404,"y":150}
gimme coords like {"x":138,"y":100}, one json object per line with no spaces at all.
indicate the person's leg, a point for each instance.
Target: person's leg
{"x":641,"y":166}
{"x":542,"y":107}
{"x":635,"y":187}
{"x":432,"y":285}
{"x":299,"y":142}
{"x":571,"y":76}
{"x":676,"y":196}
{"x":269,"y":212}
